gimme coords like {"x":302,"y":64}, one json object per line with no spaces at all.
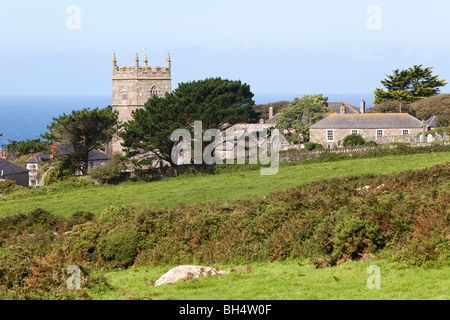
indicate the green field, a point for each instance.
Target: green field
{"x":287,"y":280}
{"x":220,"y":187}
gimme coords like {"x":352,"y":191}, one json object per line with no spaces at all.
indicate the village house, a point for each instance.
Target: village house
{"x":34,"y":164}
{"x":334,"y":106}
{"x":237,"y":146}
{"x":11,"y":171}
{"x":96,"y":158}
{"x":332,"y":130}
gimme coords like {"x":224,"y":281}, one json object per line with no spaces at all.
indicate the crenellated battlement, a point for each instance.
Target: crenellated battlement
{"x":141,"y":72}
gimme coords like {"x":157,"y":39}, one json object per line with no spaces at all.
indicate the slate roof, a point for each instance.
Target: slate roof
{"x":9,"y":168}
{"x":273,"y":120}
{"x":368,"y":121}
{"x":94,"y":155}
{"x":37,"y":158}
{"x":336,"y":107}
{"x":432,"y":122}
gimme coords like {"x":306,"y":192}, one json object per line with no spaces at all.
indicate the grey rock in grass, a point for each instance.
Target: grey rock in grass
{"x":187,"y":273}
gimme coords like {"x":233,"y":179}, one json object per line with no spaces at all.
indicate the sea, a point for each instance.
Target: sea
{"x":27,"y":117}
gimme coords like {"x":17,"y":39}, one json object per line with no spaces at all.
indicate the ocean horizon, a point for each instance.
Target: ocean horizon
{"x":27,"y":116}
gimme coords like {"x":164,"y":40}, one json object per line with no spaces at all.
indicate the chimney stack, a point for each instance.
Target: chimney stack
{"x":363,"y":106}
{"x":343,"y":111}
{"x":270,"y":112}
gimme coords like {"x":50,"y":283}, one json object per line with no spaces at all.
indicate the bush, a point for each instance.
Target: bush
{"x":42,"y":219}
{"x":110,"y":173}
{"x":310,"y":146}
{"x":82,"y":242}
{"x":9,"y":186}
{"x":58,"y":172}
{"x":354,"y":237}
{"x":81,"y":217}
{"x":115,"y":215}
{"x":353,"y":140}
{"x":13,"y":267}
{"x":118,"y":248}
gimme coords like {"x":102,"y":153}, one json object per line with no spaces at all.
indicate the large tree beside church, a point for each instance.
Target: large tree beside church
{"x":84,"y":130}
{"x":214,"y":101}
{"x":409,"y":85}
{"x":300,"y":114}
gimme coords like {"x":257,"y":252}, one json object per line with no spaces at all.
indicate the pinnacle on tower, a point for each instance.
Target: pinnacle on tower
{"x":114,"y":61}
{"x":137,"y":60}
{"x":168,"y":58}
{"x":145,"y":60}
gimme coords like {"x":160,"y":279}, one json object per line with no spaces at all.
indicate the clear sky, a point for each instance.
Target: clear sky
{"x":283,"y":46}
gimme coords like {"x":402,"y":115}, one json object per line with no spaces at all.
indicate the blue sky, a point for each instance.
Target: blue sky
{"x":281,"y":46}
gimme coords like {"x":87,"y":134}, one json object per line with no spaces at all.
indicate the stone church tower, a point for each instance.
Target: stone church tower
{"x":133,"y":86}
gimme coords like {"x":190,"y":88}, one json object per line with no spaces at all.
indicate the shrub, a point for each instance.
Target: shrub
{"x":81,"y":244}
{"x":310,"y":146}
{"x":8,"y":186}
{"x":81,"y":217}
{"x":57,"y":172}
{"x":118,"y":248}
{"x":13,"y":266}
{"x":110,"y":173}
{"x":353,"y":140}
{"x":114,"y":215}
{"x":40,"y":218}
{"x":354,"y":237}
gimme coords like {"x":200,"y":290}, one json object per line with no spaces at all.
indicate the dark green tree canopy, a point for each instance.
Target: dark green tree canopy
{"x":301,"y":114}
{"x":214,"y":101}
{"x":84,"y":130}
{"x":409,"y":85}
{"x":20,"y":148}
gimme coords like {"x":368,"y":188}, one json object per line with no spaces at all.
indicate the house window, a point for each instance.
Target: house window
{"x":405,"y":131}
{"x":379,"y":133}
{"x":354,"y":131}
{"x":330,"y":135}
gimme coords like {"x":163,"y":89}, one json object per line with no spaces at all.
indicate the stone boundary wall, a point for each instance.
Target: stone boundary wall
{"x":412,"y":138}
{"x":300,"y":156}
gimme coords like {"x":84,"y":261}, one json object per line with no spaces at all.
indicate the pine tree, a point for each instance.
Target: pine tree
{"x":409,"y":85}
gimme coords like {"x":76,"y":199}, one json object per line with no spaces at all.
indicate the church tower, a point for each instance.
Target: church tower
{"x":133,"y":86}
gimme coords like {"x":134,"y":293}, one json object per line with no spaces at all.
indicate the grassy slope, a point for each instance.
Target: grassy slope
{"x":222,"y":187}
{"x":287,"y":280}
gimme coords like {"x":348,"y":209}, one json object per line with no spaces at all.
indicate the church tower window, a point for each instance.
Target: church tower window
{"x":153,"y":91}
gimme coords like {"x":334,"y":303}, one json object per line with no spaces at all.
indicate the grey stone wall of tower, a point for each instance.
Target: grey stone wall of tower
{"x":133,"y":86}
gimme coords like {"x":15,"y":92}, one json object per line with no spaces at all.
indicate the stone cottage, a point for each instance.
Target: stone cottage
{"x":11,"y":171}
{"x":331,"y":130}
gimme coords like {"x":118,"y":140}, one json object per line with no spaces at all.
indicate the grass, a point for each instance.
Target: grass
{"x":287,"y":280}
{"x":220,"y":187}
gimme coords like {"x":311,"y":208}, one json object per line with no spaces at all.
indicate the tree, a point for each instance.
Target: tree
{"x":409,"y":85}
{"x":434,"y":106}
{"x":84,"y":130}
{"x":214,"y":101}
{"x":301,"y":114}
{"x":20,"y":148}
{"x":392,"y":107}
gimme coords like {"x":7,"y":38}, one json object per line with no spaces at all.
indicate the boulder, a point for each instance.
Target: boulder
{"x":187,"y":273}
